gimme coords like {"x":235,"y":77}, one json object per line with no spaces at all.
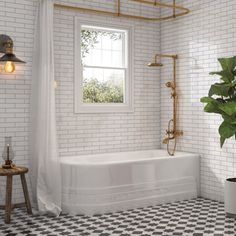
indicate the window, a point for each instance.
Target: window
{"x":103,"y":78}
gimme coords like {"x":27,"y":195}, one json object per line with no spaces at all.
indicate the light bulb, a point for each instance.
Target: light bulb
{"x":9,"y":67}
{"x":55,"y":84}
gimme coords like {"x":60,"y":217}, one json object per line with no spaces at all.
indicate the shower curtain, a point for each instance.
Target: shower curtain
{"x":44,"y":158}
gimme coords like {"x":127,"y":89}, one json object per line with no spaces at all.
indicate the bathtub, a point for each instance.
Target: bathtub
{"x":102,"y":183}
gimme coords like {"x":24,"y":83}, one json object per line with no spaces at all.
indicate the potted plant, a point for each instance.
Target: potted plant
{"x":221,"y":100}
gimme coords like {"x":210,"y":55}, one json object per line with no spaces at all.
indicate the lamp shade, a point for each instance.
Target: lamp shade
{"x":10,"y":57}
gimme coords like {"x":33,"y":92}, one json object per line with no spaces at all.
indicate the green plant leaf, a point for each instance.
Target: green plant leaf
{"x":229,"y":107}
{"x":212,"y":108}
{"x":207,"y":99}
{"x":226,"y":76}
{"x":229,"y":119}
{"x":233,"y":84}
{"x":227,"y":130}
{"x":222,"y":141}
{"x":228,"y":63}
{"x":221,"y":89}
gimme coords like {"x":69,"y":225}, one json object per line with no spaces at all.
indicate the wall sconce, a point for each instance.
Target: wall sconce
{"x":9,"y":58}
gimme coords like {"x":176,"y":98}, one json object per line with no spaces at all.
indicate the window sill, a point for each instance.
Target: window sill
{"x":91,"y":108}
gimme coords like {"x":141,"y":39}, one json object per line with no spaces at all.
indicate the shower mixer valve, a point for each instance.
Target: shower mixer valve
{"x":172,"y":134}
{"x":170,"y":85}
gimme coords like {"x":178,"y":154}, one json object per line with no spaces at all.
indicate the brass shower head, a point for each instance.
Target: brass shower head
{"x":155,"y":64}
{"x":158,"y":64}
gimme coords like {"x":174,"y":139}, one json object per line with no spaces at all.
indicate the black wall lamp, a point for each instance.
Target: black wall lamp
{"x":9,"y":58}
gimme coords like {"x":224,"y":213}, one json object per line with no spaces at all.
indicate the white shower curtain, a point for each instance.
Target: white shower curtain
{"x":44,"y":158}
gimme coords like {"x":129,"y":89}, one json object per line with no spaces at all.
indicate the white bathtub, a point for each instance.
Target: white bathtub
{"x":96,"y":184}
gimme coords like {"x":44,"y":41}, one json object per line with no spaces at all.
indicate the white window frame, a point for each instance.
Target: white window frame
{"x":81,"y":107}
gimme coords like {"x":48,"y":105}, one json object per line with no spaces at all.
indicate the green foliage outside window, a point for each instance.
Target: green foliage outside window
{"x":95,"y":91}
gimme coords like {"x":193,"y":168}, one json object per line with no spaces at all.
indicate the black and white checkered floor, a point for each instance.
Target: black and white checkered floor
{"x":195,"y":217}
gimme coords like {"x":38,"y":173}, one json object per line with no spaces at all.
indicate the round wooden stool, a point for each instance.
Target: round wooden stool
{"x":8,"y":205}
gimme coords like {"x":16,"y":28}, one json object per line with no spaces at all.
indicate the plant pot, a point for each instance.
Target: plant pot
{"x":230,"y":197}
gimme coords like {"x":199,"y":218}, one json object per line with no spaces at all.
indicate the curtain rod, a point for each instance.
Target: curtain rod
{"x":119,"y":14}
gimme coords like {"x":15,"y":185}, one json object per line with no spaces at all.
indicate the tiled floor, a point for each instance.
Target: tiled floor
{"x":195,"y":217}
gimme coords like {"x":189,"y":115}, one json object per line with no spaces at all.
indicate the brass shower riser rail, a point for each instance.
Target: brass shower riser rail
{"x":120,"y":14}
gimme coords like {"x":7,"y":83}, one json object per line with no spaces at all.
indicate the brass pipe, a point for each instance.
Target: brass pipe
{"x":119,"y":14}
{"x":165,"y":5}
{"x":172,"y":132}
{"x":184,"y":10}
{"x":118,"y":10}
{"x":102,"y":12}
{"x":174,"y":94}
{"x":164,"y":55}
{"x":174,"y":9}
{"x":162,"y":5}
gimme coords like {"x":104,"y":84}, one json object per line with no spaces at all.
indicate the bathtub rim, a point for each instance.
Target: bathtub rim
{"x":81,"y":159}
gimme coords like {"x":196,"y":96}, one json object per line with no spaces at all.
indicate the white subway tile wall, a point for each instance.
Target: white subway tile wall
{"x":206,"y":34}
{"x":97,"y":133}
{"x":17,"y":19}
{"x":78,"y":133}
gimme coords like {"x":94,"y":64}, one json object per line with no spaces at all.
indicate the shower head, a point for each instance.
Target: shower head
{"x":158,"y":64}
{"x":155,"y":64}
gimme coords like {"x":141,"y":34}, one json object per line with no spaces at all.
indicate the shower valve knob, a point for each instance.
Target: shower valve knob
{"x":179,"y":133}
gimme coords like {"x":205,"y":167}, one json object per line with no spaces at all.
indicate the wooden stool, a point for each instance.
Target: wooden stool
{"x":8,"y":206}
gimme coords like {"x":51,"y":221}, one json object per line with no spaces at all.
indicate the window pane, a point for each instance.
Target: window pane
{"x":103,"y":85}
{"x":102,"y":48}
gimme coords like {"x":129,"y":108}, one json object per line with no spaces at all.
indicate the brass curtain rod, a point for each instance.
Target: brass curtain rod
{"x":119,"y":14}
